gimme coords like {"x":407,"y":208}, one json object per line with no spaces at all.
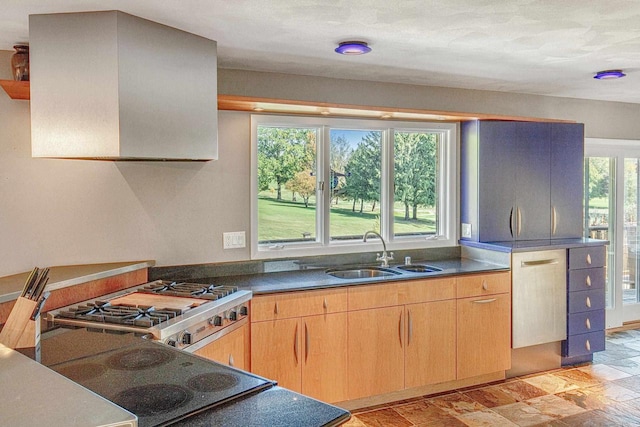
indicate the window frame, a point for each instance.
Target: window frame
{"x":447,"y":187}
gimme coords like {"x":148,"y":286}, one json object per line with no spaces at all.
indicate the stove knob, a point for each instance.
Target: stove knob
{"x":171,"y":342}
{"x":216,"y":321}
{"x":186,"y":338}
{"x":233,"y":315}
{"x":244,"y":310}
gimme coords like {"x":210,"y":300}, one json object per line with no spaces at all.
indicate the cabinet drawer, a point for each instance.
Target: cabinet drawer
{"x":586,"y":301}
{"x":417,"y":291}
{"x":373,"y":296}
{"x":297,"y":304}
{"x":579,"y":345}
{"x":588,"y":321}
{"x":586,"y":257}
{"x":483,"y":284}
{"x":585,"y":279}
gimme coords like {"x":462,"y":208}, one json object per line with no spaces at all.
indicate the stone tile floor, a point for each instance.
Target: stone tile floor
{"x":605,"y":393}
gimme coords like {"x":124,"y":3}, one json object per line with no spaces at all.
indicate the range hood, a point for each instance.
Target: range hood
{"x":112,"y":86}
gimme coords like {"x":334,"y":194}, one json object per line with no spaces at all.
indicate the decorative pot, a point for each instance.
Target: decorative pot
{"x":20,"y":63}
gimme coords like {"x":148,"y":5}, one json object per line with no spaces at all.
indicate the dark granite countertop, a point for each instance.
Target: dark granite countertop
{"x":274,"y":406}
{"x":534,"y":245}
{"x":315,"y":277}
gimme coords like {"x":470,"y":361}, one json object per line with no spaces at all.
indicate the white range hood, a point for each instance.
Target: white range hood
{"x":112,"y":86}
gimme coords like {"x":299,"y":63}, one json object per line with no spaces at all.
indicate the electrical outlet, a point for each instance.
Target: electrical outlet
{"x":466,"y":230}
{"x":233,"y":240}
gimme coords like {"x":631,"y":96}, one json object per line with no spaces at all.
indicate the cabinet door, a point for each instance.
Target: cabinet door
{"x":276,"y":351}
{"x":231,"y":349}
{"x":484,"y":335}
{"x":324,"y":357}
{"x":375,"y":351}
{"x":567,"y":180}
{"x":430,"y":353}
{"x":496,"y":180}
{"x":533,"y":178}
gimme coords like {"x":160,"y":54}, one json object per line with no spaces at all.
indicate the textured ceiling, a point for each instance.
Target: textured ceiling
{"x":547,"y":47}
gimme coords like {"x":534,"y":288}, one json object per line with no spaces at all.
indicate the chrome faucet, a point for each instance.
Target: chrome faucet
{"x":384,"y":258}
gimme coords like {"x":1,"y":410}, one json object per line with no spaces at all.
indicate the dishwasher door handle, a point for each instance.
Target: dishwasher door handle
{"x":539,"y":262}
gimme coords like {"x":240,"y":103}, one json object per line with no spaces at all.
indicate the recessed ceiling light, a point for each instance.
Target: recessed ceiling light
{"x":609,"y":74}
{"x":325,"y":112}
{"x":385,"y":116}
{"x":258,"y":109}
{"x":353,"y":48}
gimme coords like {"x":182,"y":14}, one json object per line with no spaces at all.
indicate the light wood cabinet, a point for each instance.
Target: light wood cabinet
{"x":430,"y":352}
{"x":307,"y":354}
{"x":275,"y":352}
{"x":361,"y":341}
{"x":231,"y":349}
{"x":483,"y":334}
{"x":375,"y":351}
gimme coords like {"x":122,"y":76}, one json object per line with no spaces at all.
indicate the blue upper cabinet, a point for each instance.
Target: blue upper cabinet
{"x":567,"y":180}
{"x":521,"y":180}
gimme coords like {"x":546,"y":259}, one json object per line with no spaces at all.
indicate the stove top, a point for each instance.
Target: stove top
{"x":105,"y":312}
{"x":158,"y":383}
{"x":194,"y":290}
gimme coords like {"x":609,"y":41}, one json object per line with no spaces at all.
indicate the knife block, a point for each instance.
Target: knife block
{"x":20,"y":331}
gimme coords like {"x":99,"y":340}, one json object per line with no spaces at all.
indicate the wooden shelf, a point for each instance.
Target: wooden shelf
{"x":15,"y":89}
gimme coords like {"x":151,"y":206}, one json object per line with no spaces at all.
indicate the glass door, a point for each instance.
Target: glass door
{"x":612,"y":212}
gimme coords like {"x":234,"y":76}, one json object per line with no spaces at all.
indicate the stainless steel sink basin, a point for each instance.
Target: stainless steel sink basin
{"x":361,"y":273}
{"x":419,"y":268}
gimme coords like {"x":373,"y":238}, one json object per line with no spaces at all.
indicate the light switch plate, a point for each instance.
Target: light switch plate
{"x":233,"y":240}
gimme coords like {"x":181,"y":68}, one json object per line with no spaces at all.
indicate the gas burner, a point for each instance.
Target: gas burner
{"x":194,"y":290}
{"x":104,"y":312}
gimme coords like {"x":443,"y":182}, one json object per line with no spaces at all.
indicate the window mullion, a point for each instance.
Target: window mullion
{"x":386,"y":186}
{"x":324,"y":196}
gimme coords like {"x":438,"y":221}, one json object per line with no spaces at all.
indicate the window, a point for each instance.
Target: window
{"x":319,"y":184}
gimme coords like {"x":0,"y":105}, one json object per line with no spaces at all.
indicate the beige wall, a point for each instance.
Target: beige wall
{"x":56,"y":212}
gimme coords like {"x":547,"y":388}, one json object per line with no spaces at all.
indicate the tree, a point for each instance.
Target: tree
{"x":304,"y":184}
{"x":415,"y":170}
{"x":363,"y":180}
{"x":283,"y":152}
{"x":340,"y":152}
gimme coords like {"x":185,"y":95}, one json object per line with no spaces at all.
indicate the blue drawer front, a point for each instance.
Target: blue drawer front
{"x":578,"y":345}
{"x":586,"y":257}
{"x":585,"y":279}
{"x":586,"y":301}
{"x":588,"y":321}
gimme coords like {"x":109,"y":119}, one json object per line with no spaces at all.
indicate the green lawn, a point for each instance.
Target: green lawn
{"x":284,"y":220}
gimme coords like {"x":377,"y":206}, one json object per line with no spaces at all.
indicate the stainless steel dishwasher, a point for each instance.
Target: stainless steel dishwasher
{"x":539,"y":293}
{"x":539,"y":310}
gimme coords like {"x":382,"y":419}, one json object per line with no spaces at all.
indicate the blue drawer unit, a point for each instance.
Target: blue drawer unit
{"x":585,"y":304}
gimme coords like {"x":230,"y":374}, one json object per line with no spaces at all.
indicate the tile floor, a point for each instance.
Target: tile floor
{"x":605,"y":393}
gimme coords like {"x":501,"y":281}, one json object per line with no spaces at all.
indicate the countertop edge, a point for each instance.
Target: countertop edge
{"x":110,"y":272}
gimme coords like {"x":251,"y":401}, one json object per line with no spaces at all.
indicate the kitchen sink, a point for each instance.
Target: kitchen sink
{"x":419,"y":268}
{"x":361,"y":273}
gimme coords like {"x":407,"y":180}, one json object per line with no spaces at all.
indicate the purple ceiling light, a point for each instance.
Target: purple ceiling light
{"x":609,"y":74}
{"x":353,"y":48}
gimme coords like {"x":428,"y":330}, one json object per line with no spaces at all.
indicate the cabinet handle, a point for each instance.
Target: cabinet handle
{"x":588,"y":281}
{"x":275,"y":308}
{"x":587,"y":345}
{"x":588,"y":323}
{"x":484,"y":301}
{"x":511,"y":222}
{"x":231,"y":362}
{"x":589,"y":259}
{"x":400,"y":328}
{"x":410,"y":328}
{"x":554,"y":218}
{"x":295,"y":344}
{"x":519,"y":228}
{"x":484,"y":285}
{"x":588,"y":302}
{"x":538,"y":262}
{"x":307,"y":341}
{"x":324,"y":304}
